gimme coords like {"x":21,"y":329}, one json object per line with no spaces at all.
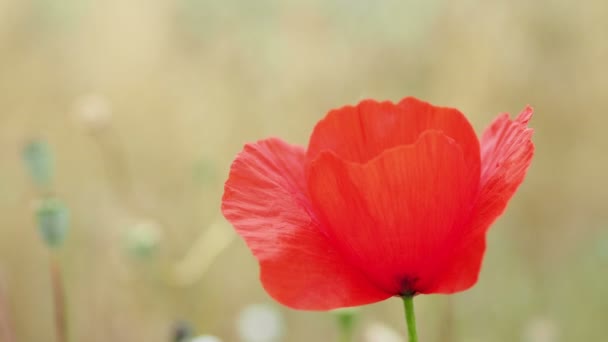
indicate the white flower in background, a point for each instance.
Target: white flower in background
{"x":260,"y":323}
{"x":378,"y":332}
{"x":94,"y":111}
{"x":206,"y":338}
{"x":143,"y":238}
{"x":540,"y":329}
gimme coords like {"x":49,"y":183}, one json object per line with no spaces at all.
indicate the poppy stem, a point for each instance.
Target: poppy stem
{"x":346,"y":336}
{"x":410,"y":317}
{"x":59,"y":299}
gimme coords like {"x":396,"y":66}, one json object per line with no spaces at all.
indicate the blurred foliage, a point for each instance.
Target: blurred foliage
{"x":146,"y":103}
{"x":347,"y":318}
{"x":182,"y":332}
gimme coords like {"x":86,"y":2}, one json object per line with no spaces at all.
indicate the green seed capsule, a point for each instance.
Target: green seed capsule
{"x":53,"y":221}
{"x":38,"y":160}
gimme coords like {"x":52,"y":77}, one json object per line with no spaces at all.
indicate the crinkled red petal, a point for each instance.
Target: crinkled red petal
{"x":265,"y":199}
{"x":506,"y":154}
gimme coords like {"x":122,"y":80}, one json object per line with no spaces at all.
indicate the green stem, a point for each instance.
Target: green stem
{"x":346,"y":336}
{"x":410,"y":317}
{"x":59,"y":299}
{"x":7,"y":331}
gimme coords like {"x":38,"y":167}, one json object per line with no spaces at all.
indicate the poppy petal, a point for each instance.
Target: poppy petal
{"x":506,"y":154}
{"x":265,"y":199}
{"x":360,"y":133}
{"x":398,"y":215}
{"x":461,"y":270}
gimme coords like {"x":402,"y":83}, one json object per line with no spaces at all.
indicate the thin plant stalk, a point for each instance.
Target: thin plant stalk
{"x":115,"y":161}
{"x":346,"y":335}
{"x":447,"y":326}
{"x":6,"y":328}
{"x":410,"y":317}
{"x":346,"y":318}
{"x":58,"y":300}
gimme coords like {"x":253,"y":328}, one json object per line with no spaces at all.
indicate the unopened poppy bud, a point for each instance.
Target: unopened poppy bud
{"x":260,"y":323}
{"x":38,"y":160}
{"x":142,"y":239}
{"x":53,"y":221}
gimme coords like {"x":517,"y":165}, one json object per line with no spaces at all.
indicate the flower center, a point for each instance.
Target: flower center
{"x":408,"y":286}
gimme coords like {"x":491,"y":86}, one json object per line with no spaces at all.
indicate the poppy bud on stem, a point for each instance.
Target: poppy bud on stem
{"x":53,"y":225}
{"x":52,"y":218}
{"x":410,"y":317}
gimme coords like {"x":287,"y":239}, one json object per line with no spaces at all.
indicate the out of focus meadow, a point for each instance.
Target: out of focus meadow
{"x":144,"y":104}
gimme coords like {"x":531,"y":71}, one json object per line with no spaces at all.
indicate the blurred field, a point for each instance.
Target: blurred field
{"x":145,"y":103}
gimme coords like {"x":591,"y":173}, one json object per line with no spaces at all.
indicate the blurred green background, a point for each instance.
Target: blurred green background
{"x":144,"y":104}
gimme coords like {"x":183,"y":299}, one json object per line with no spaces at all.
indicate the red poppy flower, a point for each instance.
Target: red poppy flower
{"x":388,"y":200}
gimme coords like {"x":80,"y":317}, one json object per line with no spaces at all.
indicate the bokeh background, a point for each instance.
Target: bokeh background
{"x":144,"y":104}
